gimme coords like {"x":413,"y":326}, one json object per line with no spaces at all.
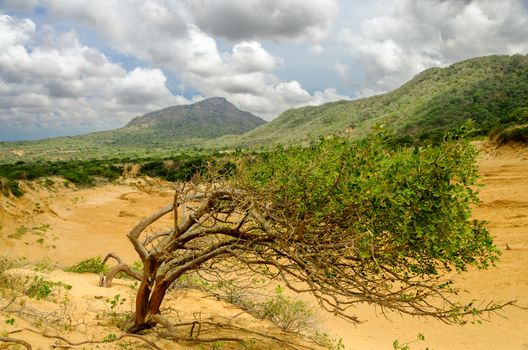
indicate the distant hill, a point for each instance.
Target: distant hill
{"x":207,"y":119}
{"x":491,"y":90}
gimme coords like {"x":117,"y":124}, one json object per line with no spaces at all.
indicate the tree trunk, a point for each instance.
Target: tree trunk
{"x":149,"y":297}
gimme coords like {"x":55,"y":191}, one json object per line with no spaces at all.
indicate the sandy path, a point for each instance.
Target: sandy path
{"x":94,"y":221}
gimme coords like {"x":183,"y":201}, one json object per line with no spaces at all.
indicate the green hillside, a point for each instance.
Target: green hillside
{"x":179,"y":125}
{"x":156,"y":134}
{"x":492,"y":90}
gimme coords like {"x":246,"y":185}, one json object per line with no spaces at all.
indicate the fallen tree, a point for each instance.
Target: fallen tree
{"x":347,"y":222}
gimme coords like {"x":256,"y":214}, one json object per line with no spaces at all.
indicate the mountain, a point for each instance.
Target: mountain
{"x":180,"y":126}
{"x":209,"y":118}
{"x":491,"y":90}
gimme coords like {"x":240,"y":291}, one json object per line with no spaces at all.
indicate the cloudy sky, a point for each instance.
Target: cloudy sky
{"x":74,"y":66}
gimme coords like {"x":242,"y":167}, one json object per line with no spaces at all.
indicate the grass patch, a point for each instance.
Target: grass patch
{"x":19,"y":232}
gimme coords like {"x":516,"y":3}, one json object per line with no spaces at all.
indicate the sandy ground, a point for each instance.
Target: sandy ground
{"x":64,"y":226}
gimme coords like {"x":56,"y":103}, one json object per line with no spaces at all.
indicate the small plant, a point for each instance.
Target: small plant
{"x":40,"y":288}
{"x":40,"y":230}
{"x":327,"y":341}
{"x":110,"y":338}
{"x":11,"y":186}
{"x":19,"y":232}
{"x":406,"y":346}
{"x":43,"y":265}
{"x":40,"y":241}
{"x":48,"y":182}
{"x":115,"y":302}
{"x":117,"y":317}
{"x":286,"y":313}
{"x":10,"y":320}
{"x":93,"y":265}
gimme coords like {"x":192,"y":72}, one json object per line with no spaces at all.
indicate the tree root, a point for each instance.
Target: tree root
{"x":106,"y":281}
{"x":16,"y":341}
{"x":70,"y":344}
{"x":194,"y":335}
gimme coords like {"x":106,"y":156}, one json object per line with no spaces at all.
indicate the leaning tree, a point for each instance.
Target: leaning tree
{"x":348,"y":222}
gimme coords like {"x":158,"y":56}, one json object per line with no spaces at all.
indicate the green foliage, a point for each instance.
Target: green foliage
{"x":409,"y":208}
{"x":44,"y":265}
{"x":517,"y":134}
{"x":78,"y":172}
{"x":174,"y":168}
{"x":114,"y":303}
{"x":92,"y":265}
{"x":40,"y":288}
{"x":491,"y":90}
{"x":111,"y":337}
{"x":10,"y":320}
{"x":116,"y":317}
{"x":396,"y":345}
{"x":8,"y":186}
{"x":179,"y":168}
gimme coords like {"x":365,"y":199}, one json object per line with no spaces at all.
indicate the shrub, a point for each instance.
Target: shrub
{"x":8,"y":186}
{"x":40,"y":288}
{"x":288,"y":314}
{"x":517,"y":134}
{"x":93,"y":265}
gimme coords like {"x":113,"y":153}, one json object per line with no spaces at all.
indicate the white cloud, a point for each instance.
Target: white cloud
{"x":250,"y":57}
{"x":49,"y":80}
{"x":407,"y":36}
{"x":244,"y":75}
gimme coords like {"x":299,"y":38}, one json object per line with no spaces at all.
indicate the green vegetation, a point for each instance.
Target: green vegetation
{"x":414,"y":203}
{"x":19,"y":232}
{"x":92,"y":265}
{"x":206,"y":119}
{"x":8,"y":186}
{"x":353,"y":221}
{"x":40,"y":288}
{"x":85,"y":173}
{"x":492,"y":90}
{"x":178,"y":168}
{"x":78,"y":172}
{"x":287,"y":313}
{"x":516,"y":134}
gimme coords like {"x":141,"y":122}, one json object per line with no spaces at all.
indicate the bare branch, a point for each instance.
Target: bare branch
{"x":16,"y":341}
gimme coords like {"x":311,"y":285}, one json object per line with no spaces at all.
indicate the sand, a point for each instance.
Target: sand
{"x":74,"y":224}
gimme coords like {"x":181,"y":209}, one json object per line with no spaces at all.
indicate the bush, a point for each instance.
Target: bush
{"x":8,"y":186}
{"x":288,"y":314}
{"x":517,"y":134}
{"x":40,"y":288}
{"x":92,"y":265}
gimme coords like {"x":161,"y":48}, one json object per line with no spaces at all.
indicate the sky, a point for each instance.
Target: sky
{"x":69,"y":67}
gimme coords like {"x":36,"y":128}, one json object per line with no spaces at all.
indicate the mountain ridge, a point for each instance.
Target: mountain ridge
{"x":181,"y":125}
{"x":490,"y":90}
